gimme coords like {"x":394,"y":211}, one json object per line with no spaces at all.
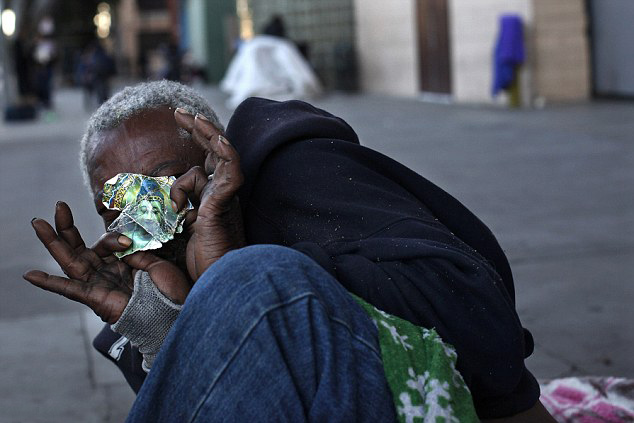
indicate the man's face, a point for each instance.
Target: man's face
{"x":148,"y":144}
{"x":150,"y":211}
{"x":149,"y":215}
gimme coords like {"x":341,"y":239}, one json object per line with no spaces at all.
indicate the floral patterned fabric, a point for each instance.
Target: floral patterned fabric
{"x":421,"y":371}
{"x":589,"y":399}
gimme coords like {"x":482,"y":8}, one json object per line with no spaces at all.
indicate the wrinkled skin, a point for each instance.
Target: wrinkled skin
{"x":149,"y":144}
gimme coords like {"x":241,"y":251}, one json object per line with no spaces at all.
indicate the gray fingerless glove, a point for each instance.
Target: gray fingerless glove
{"x":147,"y":318}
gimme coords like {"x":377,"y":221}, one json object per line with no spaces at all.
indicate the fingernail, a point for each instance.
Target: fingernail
{"x":182,"y":111}
{"x":33,"y":220}
{"x":124,"y":240}
{"x":174,"y":206}
{"x":59,"y":203}
{"x":199,"y":116}
{"x":223,"y":140}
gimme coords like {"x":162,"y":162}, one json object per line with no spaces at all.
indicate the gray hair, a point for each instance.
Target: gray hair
{"x":135,"y":99}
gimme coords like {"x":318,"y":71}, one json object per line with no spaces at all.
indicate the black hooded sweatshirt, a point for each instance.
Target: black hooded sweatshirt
{"x":387,"y":235}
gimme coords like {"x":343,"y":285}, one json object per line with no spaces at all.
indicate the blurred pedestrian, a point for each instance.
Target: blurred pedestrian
{"x":84,"y":77}
{"x":23,"y":59}
{"x":104,"y":68}
{"x":192,"y":71}
{"x":143,"y":64}
{"x":275,"y":27}
{"x":270,"y":66}
{"x":173,"y":61}
{"x":45,"y":55}
{"x":94,"y":70}
{"x":508,"y":57}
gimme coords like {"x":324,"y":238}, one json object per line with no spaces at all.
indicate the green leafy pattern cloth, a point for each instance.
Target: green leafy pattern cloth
{"x":421,"y":371}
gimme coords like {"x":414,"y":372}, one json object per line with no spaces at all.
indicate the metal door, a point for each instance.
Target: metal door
{"x":433,"y":46}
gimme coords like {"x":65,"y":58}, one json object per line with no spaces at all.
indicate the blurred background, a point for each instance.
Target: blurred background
{"x":522,"y":109}
{"x":570,"y":50}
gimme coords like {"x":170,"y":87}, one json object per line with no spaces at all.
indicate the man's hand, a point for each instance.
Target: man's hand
{"x":216,"y":225}
{"x":96,"y":277}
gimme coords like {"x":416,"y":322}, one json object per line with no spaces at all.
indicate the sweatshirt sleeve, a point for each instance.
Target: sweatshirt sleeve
{"x":345,"y":208}
{"x":119,"y":350}
{"x":458,"y":295}
{"x":147,"y":318}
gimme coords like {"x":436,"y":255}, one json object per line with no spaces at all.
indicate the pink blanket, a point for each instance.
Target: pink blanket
{"x":589,"y":399}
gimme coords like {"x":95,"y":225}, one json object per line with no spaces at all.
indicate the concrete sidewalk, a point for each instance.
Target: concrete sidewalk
{"x":555,"y":185}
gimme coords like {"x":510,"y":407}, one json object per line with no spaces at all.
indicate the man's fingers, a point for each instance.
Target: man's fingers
{"x":190,"y":218}
{"x":205,"y":133}
{"x":188,"y":185}
{"x":45,"y":232}
{"x":222,"y":159}
{"x":197,"y":124}
{"x":165,"y":275}
{"x":65,"y":226}
{"x":211,"y":139}
{"x":69,"y":288}
{"x":228,"y":177}
{"x":184,"y":119}
{"x":109,"y":243}
{"x":67,"y":231}
{"x":208,"y":137}
{"x":141,"y":260}
{"x":73,"y":264}
{"x":106,"y":303}
{"x":76,"y":264}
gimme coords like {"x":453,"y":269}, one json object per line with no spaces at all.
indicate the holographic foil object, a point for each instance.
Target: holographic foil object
{"x":147,"y":216}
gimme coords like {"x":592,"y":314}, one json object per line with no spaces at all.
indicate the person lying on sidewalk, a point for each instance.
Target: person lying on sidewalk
{"x":314,"y":280}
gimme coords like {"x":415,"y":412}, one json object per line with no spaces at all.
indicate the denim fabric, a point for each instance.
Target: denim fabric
{"x":266,"y":335}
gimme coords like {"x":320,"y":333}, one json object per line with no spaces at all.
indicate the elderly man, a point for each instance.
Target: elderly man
{"x":257,"y":307}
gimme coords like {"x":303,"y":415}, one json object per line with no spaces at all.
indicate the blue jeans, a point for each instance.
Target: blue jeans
{"x":266,"y":335}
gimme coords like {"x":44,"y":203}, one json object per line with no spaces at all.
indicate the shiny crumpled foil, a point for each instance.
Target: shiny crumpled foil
{"x":147,"y":216}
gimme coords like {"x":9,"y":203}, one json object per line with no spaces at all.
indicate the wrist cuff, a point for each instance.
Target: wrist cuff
{"x":147,"y":318}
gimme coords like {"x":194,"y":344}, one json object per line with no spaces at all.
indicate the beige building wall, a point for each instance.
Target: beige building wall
{"x":557,"y":67}
{"x":473,"y":33}
{"x":128,"y":16}
{"x":387,"y":46}
{"x":561,"y":59}
{"x":131,"y":22}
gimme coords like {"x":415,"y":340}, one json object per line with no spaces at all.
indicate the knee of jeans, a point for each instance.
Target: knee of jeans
{"x":259,"y":258}
{"x":266,"y":263}
{"x":256,"y":279}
